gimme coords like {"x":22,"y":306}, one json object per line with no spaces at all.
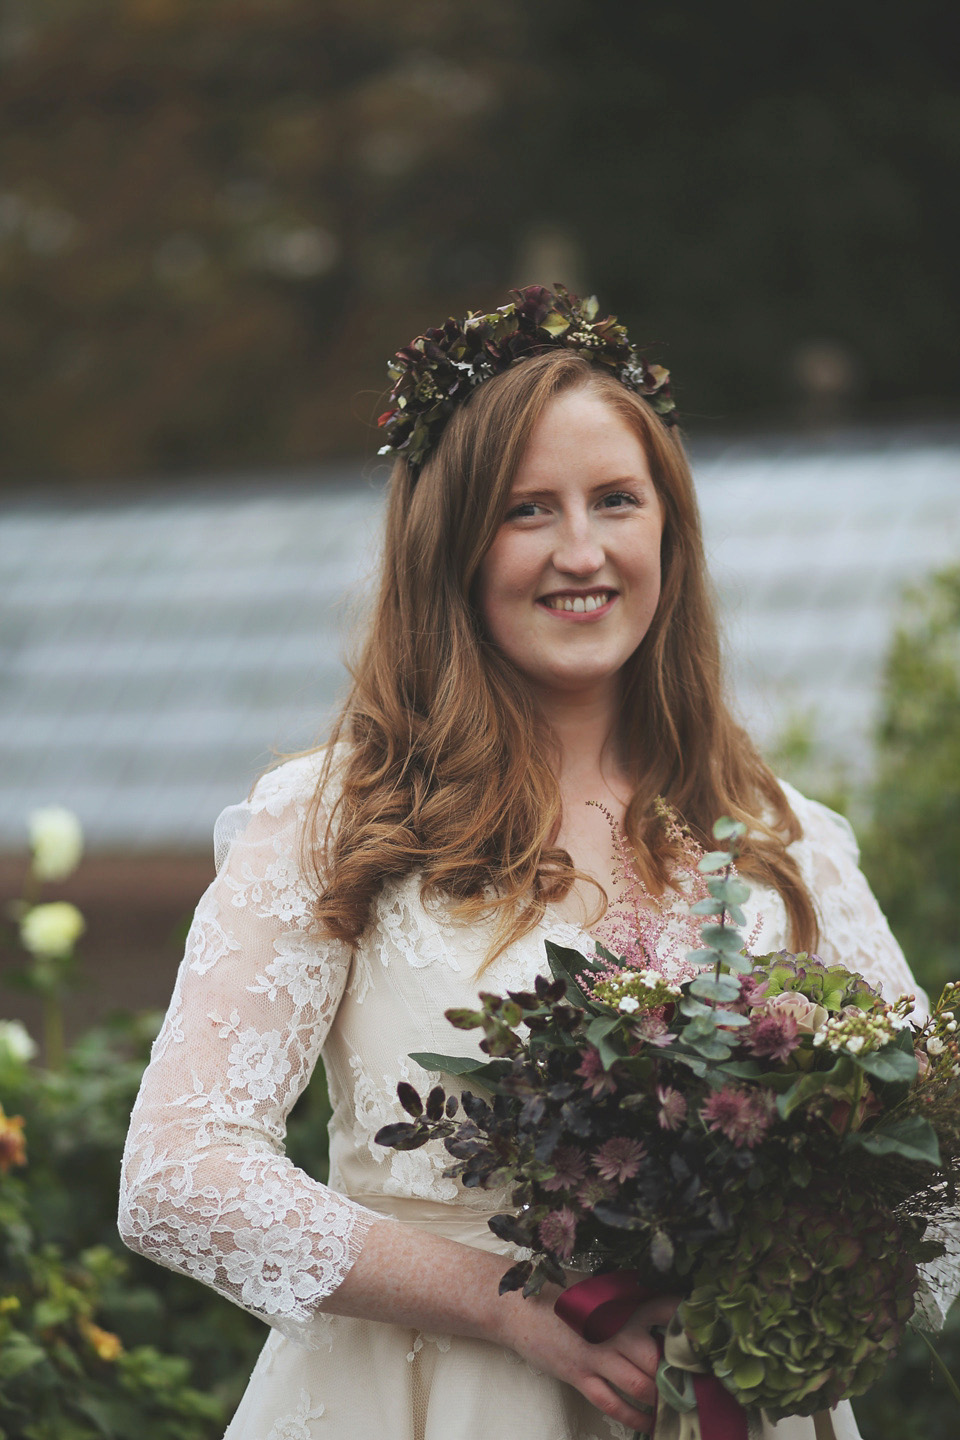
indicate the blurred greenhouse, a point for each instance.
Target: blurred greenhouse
{"x":156,"y":651}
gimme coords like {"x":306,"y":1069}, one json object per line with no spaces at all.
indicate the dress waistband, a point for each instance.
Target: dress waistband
{"x":456,"y":1222}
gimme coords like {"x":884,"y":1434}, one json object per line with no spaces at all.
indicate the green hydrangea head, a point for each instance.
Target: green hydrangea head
{"x":808,"y":1305}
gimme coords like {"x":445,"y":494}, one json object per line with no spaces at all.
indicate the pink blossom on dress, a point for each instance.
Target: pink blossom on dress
{"x":571,"y":1167}
{"x":742,"y":1117}
{"x":619,"y":1159}
{"x":558,"y":1232}
{"x":673,"y":1107}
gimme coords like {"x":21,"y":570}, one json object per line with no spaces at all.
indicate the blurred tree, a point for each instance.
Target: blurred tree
{"x":217,"y":218}
{"x":213,"y":215}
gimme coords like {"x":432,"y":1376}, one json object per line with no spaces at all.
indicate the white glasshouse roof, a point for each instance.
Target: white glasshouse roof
{"x":154,"y":650}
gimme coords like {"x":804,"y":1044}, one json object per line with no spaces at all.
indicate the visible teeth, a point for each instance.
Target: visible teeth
{"x":579,"y":604}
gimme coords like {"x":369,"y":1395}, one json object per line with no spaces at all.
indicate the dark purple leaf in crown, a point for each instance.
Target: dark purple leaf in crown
{"x":440,"y":369}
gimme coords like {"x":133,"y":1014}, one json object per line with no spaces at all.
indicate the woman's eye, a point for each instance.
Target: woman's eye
{"x":617,"y":499}
{"x":523,"y":510}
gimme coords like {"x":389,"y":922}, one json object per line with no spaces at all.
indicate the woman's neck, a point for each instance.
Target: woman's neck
{"x":585,"y":729}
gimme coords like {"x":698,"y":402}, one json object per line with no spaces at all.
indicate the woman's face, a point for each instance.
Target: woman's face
{"x":571,"y":582}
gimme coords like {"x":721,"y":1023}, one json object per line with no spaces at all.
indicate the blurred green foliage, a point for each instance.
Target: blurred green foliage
{"x":184,"y":1354}
{"x":911,"y":850}
{"x":218,"y":217}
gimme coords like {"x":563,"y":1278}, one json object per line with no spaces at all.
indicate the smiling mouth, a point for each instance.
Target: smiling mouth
{"x":578,"y":604}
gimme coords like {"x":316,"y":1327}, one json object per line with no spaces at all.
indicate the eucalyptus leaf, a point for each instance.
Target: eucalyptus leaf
{"x":718,"y":988}
{"x":721,"y":937}
{"x":727,"y":829}
{"x":707,"y":907}
{"x":732,"y":890}
{"x":713,"y":860}
{"x":733,"y":1018}
{"x":692,"y":1007}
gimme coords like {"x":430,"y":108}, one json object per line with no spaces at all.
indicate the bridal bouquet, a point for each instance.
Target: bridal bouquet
{"x":764,"y":1135}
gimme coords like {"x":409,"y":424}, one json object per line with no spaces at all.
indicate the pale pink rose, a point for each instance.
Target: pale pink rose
{"x":809,"y":1016}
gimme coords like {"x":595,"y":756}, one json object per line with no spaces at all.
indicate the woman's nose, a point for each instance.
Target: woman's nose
{"x":578,"y":551}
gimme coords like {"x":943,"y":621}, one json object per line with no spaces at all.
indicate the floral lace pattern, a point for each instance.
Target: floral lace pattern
{"x":206,"y":1188}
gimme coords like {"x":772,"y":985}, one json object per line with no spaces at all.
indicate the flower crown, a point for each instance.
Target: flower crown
{"x":437,"y":371}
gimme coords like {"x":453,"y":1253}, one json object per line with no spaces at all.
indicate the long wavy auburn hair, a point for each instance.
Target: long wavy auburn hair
{"x":450,"y":769}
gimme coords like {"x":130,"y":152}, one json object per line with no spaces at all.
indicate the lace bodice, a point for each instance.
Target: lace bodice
{"x":206,"y":1187}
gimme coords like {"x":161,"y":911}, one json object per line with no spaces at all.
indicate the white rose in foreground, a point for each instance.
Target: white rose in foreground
{"x":15,"y":1041}
{"x":56,"y":839}
{"x":809,"y":1016}
{"x":51,"y":931}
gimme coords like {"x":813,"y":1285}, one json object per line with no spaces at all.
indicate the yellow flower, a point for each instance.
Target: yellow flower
{"x":13,"y":1150}
{"x":9,"y":1304}
{"x":56,"y":840}
{"x":107,"y":1345}
{"x":51,"y":931}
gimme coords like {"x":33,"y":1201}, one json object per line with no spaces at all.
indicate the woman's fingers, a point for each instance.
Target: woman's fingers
{"x":658,"y":1311}
{"x":607,"y":1399}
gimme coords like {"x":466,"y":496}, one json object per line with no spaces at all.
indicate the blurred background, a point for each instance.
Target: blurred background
{"x":217,"y":220}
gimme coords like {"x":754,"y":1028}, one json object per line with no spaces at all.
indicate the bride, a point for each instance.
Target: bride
{"x":543,"y":638}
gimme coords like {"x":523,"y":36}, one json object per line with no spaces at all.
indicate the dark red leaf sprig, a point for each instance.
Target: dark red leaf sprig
{"x":437,"y":371}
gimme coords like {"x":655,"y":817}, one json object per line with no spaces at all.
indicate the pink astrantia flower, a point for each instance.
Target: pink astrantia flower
{"x":743,"y":1118}
{"x":774,"y":1034}
{"x":673,"y":1107}
{"x":570,"y":1165}
{"x":599,"y":1081}
{"x":619,"y":1159}
{"x":558,"y":1232}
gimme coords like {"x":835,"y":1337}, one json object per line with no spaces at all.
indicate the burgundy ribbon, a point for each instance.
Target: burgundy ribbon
{"x":597,"y":1308}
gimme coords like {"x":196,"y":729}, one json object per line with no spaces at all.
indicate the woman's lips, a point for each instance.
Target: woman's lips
{"x":569,"y":605}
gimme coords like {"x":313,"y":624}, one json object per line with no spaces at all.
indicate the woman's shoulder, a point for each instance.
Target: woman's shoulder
{"x":823,"y":828}
{"x":293,"y":783}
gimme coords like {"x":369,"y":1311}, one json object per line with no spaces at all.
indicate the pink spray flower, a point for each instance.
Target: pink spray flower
{"x":619,"y":1159}
{"x":558,"y":1232}
{"x":743,"y":1118}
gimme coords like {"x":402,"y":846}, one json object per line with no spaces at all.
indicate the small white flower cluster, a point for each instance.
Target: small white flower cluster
{"x":633,"y":990}
{"x":942,"y":1043}
{"x":858,"y":1032}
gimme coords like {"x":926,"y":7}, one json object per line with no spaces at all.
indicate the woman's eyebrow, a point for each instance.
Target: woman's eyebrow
{"x":539,"y":492}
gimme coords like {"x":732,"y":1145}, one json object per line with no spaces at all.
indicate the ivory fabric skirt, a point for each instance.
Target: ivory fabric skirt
{"x":371,"y":1381}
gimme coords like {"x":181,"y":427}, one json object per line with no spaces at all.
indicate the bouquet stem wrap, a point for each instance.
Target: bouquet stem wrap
{"x":692,"y":1405}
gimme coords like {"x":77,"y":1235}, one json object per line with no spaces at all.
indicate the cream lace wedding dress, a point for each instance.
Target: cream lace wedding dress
{"x":207,"y":1189}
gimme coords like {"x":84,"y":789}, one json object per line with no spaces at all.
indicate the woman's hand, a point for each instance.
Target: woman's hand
{"x":615,"y":1376}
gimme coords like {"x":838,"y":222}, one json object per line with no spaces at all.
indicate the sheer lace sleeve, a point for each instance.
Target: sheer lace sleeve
{"x":853,"y":928}
{"x":206,"y":1188}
